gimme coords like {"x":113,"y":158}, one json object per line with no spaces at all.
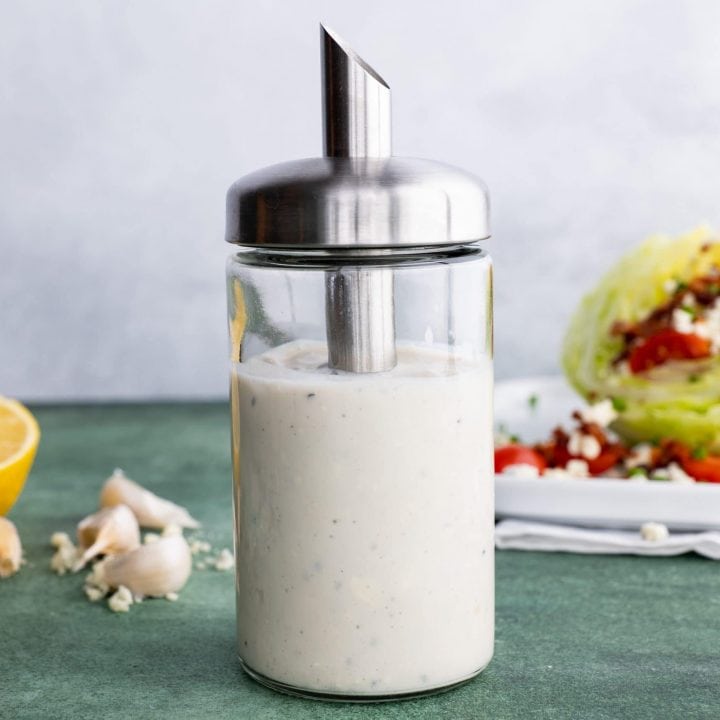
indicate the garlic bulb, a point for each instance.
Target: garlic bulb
{"x":150,"y":510}
{"x":156,"y":569}
{"x":10,"y":548}
{"x":110,"y":531}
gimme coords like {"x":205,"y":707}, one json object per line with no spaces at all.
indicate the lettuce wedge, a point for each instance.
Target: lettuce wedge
{"x":680,"y":400}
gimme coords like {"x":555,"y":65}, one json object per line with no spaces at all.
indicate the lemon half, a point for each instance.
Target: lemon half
{"x":19,"y":437}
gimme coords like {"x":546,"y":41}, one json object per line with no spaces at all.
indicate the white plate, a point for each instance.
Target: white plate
{"x":599,"y":502}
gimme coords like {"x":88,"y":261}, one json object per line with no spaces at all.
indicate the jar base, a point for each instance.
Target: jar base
{"x":348,"y":698}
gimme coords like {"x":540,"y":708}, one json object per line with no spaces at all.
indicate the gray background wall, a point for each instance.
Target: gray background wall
{"x":122,"y":124}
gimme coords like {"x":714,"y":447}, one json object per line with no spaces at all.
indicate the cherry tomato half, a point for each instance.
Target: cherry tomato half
{"x":604,"y":461}
{"x":518,"y":455}
{"x":667,"y":345}
{"x":705,"y":470}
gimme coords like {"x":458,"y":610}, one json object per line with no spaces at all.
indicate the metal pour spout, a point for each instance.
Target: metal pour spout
{"x":359,"y":304}
{"x":356,"y":103}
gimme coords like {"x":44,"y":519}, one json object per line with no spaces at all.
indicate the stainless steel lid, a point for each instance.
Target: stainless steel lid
{"x":358,"y":195}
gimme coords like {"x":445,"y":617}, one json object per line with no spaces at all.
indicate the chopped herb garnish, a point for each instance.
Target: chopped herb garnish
{"x":693,"y":378}
{"x":637,"y":471}
{"x":533,"y":401}
{"x":700,"y":453}
{"x":682,"y":285}
{"x":504,"y":432}
{"x":619,"y":404}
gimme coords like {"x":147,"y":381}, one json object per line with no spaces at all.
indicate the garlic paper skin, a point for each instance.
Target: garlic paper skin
{"x":150,"y":510}
{"x":111,"y":531}
{"x":10,"y":548}
{"x":153,"y":570}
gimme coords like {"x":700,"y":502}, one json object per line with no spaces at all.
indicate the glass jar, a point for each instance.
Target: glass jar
{"x":363,"y":500}
{"x":361,"y":339}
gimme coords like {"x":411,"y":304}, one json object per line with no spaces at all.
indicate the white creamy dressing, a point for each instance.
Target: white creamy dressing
{"x":364,"y":520}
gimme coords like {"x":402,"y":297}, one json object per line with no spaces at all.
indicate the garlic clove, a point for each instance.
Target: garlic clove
{"x":111,"y":531}
{"x":10,"y":548}
{"x":150,"y":510}
{"x":155,"y":569}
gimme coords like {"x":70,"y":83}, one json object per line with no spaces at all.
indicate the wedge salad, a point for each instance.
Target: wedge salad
{"x":643,"y":349}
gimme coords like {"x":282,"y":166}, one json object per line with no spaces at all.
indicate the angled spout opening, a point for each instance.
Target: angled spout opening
{"x":356,"y":102}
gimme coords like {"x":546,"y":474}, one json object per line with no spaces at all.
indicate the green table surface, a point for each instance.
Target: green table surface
{"x":577,"y":636}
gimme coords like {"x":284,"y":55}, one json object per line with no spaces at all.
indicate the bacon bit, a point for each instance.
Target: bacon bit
{"x":590,"y":428}
{"x":622,"y":327}
{"x":706,"y":289}
{"x":669,"y":451}
{"x":554,"y":451}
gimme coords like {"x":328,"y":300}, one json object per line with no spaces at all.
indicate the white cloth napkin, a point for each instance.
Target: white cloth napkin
{"x":521,"y":535}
